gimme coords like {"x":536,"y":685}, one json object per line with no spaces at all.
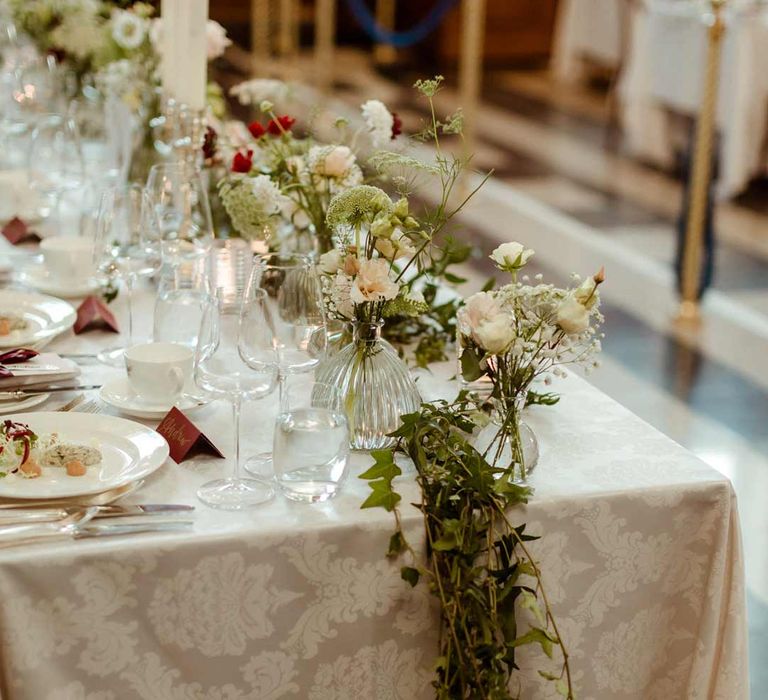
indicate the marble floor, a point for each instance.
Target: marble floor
{"x":553,"y":144}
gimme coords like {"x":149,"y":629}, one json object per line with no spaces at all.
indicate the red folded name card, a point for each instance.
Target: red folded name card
{"x":93,"y":313}
{"x":16,"y":231}
{"x":184,"y":439}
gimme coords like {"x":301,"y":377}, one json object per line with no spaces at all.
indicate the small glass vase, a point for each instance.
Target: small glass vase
{"x":508,"y":442}
{"x":375,"y":384}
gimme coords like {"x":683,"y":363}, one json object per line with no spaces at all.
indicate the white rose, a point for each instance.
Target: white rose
{"x":337,"y":162}
{"x":330,"y":262}
{"x":495,"y":335}
{"x":586,"y":293}
{"x":572,"y":316}
{"x":478,"y":308}
{"x":511,"y":256}
{"x":216,"y":39}
{"x":373,"y":283}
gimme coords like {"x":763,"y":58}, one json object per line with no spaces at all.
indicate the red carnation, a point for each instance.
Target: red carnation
{"x":397,"y":126}
{"x":256,"y":129}
{"x":282,"y":124}
{"x":242,"y":163}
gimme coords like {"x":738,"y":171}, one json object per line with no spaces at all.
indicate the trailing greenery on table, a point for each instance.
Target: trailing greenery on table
{"x":478,"y":563}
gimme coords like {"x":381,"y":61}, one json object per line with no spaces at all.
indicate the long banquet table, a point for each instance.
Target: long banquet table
{"x":640,"y":551}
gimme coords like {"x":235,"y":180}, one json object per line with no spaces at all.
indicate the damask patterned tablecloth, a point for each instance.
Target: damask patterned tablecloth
{"x":640,"y":550}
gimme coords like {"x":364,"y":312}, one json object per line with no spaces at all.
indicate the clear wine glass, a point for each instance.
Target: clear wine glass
{"x":230,"y":329}
{"x":55,"y":160}
{"x":180,"y":302}
{"x":180,"y":199}
{"x":126,"y":248}
{"x":294,"y":297}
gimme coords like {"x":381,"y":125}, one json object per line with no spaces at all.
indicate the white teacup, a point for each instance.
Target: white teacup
{"x":68,"y":257}
{"x":158,"y":372}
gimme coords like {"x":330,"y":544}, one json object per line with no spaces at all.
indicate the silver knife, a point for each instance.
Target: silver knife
{"x":18,"y":513}
{"x":21,"y":393}
{"x":99,"y":530}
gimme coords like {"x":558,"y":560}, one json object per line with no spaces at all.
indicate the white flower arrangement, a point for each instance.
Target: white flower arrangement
{"x":521,"y":332}
{"x":362,"y":279}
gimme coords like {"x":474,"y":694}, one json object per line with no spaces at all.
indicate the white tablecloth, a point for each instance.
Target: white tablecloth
{"x":665,"y":71}
{"x":590,"y":29}
{"x":664,"y":46}
{"x":640,"y":551}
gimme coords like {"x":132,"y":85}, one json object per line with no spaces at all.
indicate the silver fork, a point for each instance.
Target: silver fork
{"x":74,"y":403}
{"x":91,"y":406}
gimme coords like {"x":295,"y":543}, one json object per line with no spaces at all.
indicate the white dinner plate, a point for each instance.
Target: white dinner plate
{"x":7,"y":407}
{"x":39,"y":278}
{"x":129,"y":450}
{"x":119,"y":394}
{"x":46,"y":317}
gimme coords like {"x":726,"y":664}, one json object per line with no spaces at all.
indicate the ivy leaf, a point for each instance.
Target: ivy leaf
{"x":396,"y":544}
{"x":549,"y":676}
{"x":535,"y":636}
{"x":410,"y":575}
{"x":383,"y":496}
{"x":384,"y":466}
{"x":528,"y":601}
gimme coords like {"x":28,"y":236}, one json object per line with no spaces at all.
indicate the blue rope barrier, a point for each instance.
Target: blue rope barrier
{"x":400,"y":40}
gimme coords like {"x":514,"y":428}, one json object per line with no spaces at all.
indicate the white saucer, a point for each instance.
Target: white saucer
{"x":39,"y":278}
{"x":119,"y":394}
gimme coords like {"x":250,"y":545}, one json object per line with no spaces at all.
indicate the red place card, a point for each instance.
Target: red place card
{"x":93,"y":313}
{"x":16,"y":231}
{"x":184,"y":439}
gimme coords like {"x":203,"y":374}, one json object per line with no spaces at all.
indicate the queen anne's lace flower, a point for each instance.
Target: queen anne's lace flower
{"x":357,"y":206}
{"x":254,"y":205}
{"x":379,"y":121}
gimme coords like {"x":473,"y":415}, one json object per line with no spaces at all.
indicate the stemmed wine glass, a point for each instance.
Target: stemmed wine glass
{"x":180,"y":199}
{"x":233,"y":329}
{"x":294,"y":297}
{"x":55,"y":160}
{"x":127,"y":247}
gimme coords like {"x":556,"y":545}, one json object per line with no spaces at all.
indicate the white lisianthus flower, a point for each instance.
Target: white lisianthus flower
{"x":128,"y":29}
{"x":373,"y":282}
{"x":379,"y":121}
{"x":216,"y":39}
{"x":484,"y":321}
{"x":572,"y":316}
{"x":511,"y":256}
{"x":331,"y":262}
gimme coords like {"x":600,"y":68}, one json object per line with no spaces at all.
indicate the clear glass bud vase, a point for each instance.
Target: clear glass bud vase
{"x":376,"y":386}
{"x":508,"y":442}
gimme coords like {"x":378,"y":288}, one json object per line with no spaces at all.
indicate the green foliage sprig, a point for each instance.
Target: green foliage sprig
{"x":478,"y":564}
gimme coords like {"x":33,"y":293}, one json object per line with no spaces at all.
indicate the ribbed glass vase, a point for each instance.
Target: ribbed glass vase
{"x":376,"y":386}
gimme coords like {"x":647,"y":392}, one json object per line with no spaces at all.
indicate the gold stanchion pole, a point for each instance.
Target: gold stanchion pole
{"x":471,"y":66}
{"x":288,"y":22}
{"x":385,"y":54}
{"x":690,"y":278}
{"x":260,"y":16}
{"x":325,"y":31}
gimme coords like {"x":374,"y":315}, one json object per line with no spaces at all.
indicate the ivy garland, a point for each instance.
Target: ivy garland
{"x":478,"y":564}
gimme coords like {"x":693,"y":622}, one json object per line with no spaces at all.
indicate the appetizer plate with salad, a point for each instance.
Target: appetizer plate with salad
{"x":26,"y":318}
{"x":61,"y":455}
